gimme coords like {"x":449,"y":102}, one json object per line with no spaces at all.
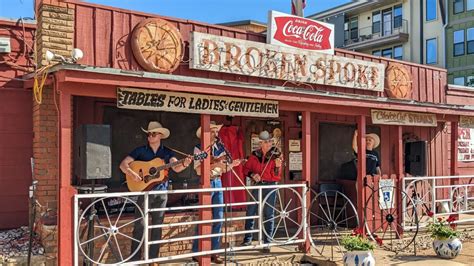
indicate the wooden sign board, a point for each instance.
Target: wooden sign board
{"x":386,"y":117}
{"x":466,"y":121}
{"x":154,"y":100}
{"x":235,"y":56}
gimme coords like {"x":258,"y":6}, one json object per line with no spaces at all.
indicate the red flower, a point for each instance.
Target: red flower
{"x":430,"y":213}
{"x":379,"y":241}
{"x":453,"y":226}
{"x":440,"y":219}
{"x":451,"y":218}
{"x":357,"y":232}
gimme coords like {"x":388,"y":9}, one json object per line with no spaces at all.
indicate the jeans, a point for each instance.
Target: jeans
{"x":217,"y":197}
{"x":154,"y":201}
{"x":268,"y":214}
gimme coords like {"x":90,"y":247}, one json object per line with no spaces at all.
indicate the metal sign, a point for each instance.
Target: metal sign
{"x":386,"y":117}
{"x":293,"y":31}
{"x":386,"y":195}
{"x":154,"y":100}
{"x":466,"y":121}
{"x":235,"y":56}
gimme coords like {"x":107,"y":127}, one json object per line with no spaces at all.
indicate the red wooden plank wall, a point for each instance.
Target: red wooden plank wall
{"x":103,"y":33}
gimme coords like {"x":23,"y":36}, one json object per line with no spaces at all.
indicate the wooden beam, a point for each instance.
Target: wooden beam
{"x":306,"y":149}
{"x":361,"y":166}
{"x":454,"y":148}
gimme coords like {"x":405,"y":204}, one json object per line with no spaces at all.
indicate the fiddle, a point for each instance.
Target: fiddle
{"x":273,"y":153}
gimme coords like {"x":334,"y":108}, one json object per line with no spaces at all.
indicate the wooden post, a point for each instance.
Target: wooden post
{"x":361,"y":166}
{"x":306,"y":149}
{"x":399,"y":172}
{"x":205,"y":198}
{"x":66,"y":191}
{"x":454,"y":155}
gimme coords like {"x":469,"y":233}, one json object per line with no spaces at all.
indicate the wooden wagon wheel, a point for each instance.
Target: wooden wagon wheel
{"x":398,"y":82}
{"x":157,"y":45}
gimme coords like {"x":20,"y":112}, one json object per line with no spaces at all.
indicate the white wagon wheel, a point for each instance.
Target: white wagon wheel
{"x":331,"y":216}
{"x":383,"y":218}
{"x":106,"y":235}
{"x":459,"y":199}
{"x":286,"y":226}
{"x":421,"y":194}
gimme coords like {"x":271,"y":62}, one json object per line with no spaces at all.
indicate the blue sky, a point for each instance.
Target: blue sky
{"x":211,"y":11}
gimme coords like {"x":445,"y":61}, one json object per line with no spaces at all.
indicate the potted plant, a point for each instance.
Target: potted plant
{"x":446,"y":243}
{"x":359,"y":249}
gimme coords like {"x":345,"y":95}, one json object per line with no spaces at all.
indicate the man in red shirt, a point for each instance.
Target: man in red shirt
{"x":264,"y":169}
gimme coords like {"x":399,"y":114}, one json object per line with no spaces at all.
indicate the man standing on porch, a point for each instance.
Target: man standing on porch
{"x":264,"y":169}
{"x":372,"y":157}
{"x":154,"y":149}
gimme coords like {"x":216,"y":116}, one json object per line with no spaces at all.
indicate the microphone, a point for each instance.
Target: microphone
{"x":221,"y":145}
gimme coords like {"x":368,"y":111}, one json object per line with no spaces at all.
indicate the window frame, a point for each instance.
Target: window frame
{"x":467,"y":5}
{"x":470,"y":42}
{"x":377,"y":52}
{"x":394,"y":17}
{"x":436,"y":51}
{"x":387,"y":50}
{"x":435,"y":10}
{"x":394,"y":55}
{"x":459,"y":43}
{"x":467,"y":83}
{"x":375,"y":13}
{"x":459,"y":77}
{"x":356,"y":29}
{"x":454,"y":6}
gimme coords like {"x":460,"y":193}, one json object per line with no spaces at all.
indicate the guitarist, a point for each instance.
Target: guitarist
{"x":155,"y":133}
{"x":218,"y":167}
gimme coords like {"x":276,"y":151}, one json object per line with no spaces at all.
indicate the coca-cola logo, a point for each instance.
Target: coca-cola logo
{"x":302,"y":33}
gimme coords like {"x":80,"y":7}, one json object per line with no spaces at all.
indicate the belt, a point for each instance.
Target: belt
{"x":268,"y":182}
{"x":215,"y":177}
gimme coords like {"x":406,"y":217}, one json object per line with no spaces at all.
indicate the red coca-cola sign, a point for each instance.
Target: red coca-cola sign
{"x":301,"y":33}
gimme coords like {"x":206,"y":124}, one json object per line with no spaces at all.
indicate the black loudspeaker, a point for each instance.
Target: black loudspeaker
{"x":415,"y":158}
{"x":92,"y":150}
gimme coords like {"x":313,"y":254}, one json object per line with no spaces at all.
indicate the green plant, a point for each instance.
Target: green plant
{"x":355,"y":242}
{"x":443,"y":228}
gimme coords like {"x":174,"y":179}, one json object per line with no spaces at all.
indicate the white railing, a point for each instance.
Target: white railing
{"x":109,"y":234}
{"x":438,"y":196}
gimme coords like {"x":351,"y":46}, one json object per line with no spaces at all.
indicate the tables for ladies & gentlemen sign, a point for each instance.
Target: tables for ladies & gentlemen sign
{"x":235,"y":56}
{"x":386,"y":117}
{"x":155,"y":100}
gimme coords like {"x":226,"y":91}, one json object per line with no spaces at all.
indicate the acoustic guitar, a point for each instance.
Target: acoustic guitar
{"x":153,"y":172}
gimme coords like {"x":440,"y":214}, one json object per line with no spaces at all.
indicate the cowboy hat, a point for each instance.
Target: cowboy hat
{"x":264,"y":135}
{"x":212,"y":125}
{"x":155,"y":126}
{"x":375,"y":137}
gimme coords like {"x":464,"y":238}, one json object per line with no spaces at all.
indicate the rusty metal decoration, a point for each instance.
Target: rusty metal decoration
{"x":157,"y":45}
{"x":398,"y":80}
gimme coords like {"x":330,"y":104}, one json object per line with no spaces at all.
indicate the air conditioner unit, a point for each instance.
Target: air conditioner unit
{"x":5,"y":45}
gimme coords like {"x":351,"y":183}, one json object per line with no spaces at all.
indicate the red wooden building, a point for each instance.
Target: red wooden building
{"x":321,"y":116}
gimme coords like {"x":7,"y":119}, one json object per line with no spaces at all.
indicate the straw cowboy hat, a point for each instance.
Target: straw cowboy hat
{"x":375,"y":137}
{"x":212,"y":126}
{"x":155,"y":126}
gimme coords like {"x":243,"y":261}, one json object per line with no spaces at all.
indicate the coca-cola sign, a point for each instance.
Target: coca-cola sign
{"x":294,"y":31}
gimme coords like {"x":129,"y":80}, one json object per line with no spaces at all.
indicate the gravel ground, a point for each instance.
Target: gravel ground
{"x":14,"y":243}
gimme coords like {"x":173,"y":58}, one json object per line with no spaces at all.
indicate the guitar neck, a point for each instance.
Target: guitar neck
{"x":169,"y":165}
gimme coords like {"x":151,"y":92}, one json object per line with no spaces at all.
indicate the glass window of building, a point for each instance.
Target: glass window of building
{"x":397,"y":16}
{"x":387,"y":53}
{"x":376,"y":22}
{"x":346,"y":30}
{"x":431,"y":9}
{"x":431,"y":51}
{"x":469,"y":5}
{"x":398,"y":52}
{"x":470,"y":81}
{"x":459,"y":81}
{"x":377,"y":53}
{"x":458,"y":43}
{"x":470,"y":41}
{"x":458,"y":6}
{"x":354,"y":25}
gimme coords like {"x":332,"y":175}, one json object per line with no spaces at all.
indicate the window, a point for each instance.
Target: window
{"x":376,"y":22}
{"x":458,"y":43}
{"x":470,"y":5}
{"x":431,"y":51}
{"x":431,"y":10}
{"x":377,"y":53}
{"x":470,"y":81}
{"x":346,"y":30}
{"x":459,"y":81}
{"x":397,"y":16}
{"x":354,"y":28}
{"x":458,"y":6}
{"x":387,"y":53}
{"x":470,"y":41}
{"x":398,"y":52}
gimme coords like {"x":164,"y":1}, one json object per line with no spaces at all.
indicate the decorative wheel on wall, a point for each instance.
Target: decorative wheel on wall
{"x":285,"y":219}
{"x":332,"y":215}
{"x":459,"y":199}
{"x":398,"y":81}
{"x":99,"y":238}
{"x":421,"y":194}
{"x":383,"y":218}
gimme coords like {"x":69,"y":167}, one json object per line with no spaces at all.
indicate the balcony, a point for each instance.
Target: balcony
{"x":386,"y":33}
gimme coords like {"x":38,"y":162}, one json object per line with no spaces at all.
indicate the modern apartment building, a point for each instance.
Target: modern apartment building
{"x":401,"y":29}
{"x":460,"y":42}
